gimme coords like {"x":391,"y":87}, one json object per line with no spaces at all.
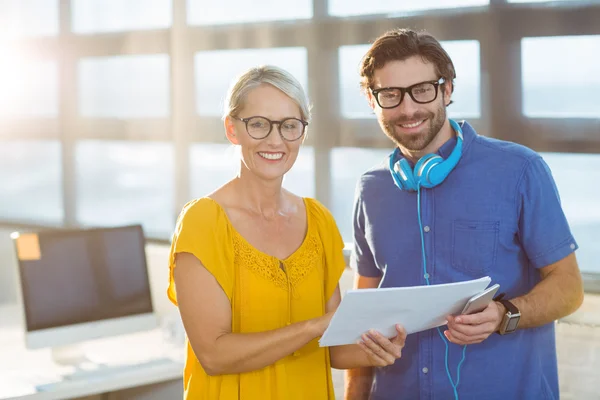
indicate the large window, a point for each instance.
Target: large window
{"x":560,"y":77}
{"x":110,"y":109}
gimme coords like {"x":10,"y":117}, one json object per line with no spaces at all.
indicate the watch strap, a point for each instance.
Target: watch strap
{"x":510,"y":307}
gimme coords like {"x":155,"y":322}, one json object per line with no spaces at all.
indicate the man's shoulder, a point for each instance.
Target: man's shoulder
{"x":503,"y":150}
{"x":378,"y":174}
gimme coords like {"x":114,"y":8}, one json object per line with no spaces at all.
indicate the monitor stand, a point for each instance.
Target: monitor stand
{"x":69,"y":356}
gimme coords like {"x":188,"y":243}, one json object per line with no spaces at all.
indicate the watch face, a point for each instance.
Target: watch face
{"x":512,"y":324}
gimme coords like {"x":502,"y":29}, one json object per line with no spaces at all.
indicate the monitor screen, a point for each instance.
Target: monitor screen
{"x":80,"y":276}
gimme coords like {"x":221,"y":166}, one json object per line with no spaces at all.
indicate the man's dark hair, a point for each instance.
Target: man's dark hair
{"x":400,"y":44}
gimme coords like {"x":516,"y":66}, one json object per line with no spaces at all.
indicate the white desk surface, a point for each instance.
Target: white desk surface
{"x":18,"y":365}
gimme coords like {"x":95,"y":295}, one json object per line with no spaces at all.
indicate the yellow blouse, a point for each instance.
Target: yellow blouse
{"x":264,"y":295}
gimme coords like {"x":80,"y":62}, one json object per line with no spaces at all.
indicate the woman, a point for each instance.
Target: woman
{"x":255,"y":268}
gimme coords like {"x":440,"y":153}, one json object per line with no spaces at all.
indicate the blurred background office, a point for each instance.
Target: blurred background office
{"x":110,"y":111}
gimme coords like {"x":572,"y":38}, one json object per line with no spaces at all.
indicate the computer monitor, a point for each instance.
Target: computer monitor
{"x":82,"y":284}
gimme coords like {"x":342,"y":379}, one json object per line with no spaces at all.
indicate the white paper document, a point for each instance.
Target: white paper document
{"x":417,"y":308}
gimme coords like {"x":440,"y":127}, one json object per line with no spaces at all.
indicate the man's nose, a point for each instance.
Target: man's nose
{"x":408,"y":106}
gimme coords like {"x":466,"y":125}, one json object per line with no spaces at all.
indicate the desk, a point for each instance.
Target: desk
{"x":18,"y":366}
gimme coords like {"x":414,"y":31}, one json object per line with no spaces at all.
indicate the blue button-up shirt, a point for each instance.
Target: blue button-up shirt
{"x":498,"y":214}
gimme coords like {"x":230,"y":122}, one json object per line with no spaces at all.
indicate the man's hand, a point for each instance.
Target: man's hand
{"x":475,"y":328}
{"x":380,"y":350}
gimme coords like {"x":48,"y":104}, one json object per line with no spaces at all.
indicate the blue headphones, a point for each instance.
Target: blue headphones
{"x":430,"y":170}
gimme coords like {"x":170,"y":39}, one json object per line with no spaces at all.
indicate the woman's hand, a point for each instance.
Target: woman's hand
{"x":380,"y":350}
{"x":321,"y":323}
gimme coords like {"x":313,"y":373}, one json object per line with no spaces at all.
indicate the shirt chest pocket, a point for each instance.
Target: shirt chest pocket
{"x":474,"y":245}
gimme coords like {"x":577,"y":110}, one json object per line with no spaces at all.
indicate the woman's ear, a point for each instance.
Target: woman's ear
{"x":230,"y":131}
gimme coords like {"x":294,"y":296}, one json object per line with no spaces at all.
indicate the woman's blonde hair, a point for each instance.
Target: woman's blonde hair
{"x":269,"y":74}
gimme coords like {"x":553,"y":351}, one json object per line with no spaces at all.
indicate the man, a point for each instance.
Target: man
{"x":485,"y":208}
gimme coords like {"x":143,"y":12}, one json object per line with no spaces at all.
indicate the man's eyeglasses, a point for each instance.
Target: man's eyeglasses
{"x":290,"y":129}
{"x":422,"y":93}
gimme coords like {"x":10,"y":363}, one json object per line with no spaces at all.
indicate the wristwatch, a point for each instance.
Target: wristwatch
{"x":510,"y":321}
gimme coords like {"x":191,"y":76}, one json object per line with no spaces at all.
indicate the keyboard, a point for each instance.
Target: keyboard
{"x":82,"y":377}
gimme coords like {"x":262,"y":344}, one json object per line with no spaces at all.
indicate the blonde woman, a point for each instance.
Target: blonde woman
{"x":255,"y":268}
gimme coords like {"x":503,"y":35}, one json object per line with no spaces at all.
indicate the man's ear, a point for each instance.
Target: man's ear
{"x":371,"y":100}
{"x":230,"y":131}
{"x":448,"y":93}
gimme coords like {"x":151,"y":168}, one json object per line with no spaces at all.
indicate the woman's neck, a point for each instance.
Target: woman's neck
{"x":265,"y":198}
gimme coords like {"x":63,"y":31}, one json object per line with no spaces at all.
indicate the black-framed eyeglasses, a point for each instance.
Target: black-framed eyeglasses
{"x":290,"y":129}
{"x":422,"y":93}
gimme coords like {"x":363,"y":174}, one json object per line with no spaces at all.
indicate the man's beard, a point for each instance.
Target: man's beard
{"x":415,"y":141}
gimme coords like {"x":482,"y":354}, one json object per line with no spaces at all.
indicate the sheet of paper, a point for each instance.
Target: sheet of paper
{"x":417,"y":308}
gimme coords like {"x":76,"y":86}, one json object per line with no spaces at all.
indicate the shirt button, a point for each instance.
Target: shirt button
{"x":426,"y":229}
{"x":572,"y":246}
{"x":425,"y":370}
{"x":426,"y":276}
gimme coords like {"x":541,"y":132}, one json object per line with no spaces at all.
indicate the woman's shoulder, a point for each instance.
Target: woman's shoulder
{"x":201,"y":206}
{"x":320,"y":214}
{"x":317,"y":209}
{"x":203,"y":213}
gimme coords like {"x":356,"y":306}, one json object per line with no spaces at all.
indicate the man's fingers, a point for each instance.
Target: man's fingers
{"x":460,"y":339}
{"x":377,"y":349}
{"x":486,"y":315}
{"x":377,"y":361}
{"x":401,"y":331}
{"x":468,"y":330}
{"x":390,"y":347}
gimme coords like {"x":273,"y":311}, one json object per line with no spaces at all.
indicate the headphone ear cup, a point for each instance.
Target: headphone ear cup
{"x":407,"y":171}
{"x":398,"y":180}
{"x":424,"y":167}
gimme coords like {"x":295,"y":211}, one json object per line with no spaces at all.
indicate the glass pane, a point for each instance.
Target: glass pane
{"x":124,"y":86}
{"x":344,"y":8}
{"x":28,"y":88}
{"x":91,"y":16}
{"x":565,"y":86}
{"x":574,"y":174}
{"x":28,"y":18}
{"x":121,"y":183}
{"x":347,"y":165}
{"x":214,"y":164}
{"x":466,"y":96}
{"x":300,"y":179}
{"x":543,"y":1}
{"x":31,"y":176}
{"x":207,"y":12}
{"x":215,"y":70}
